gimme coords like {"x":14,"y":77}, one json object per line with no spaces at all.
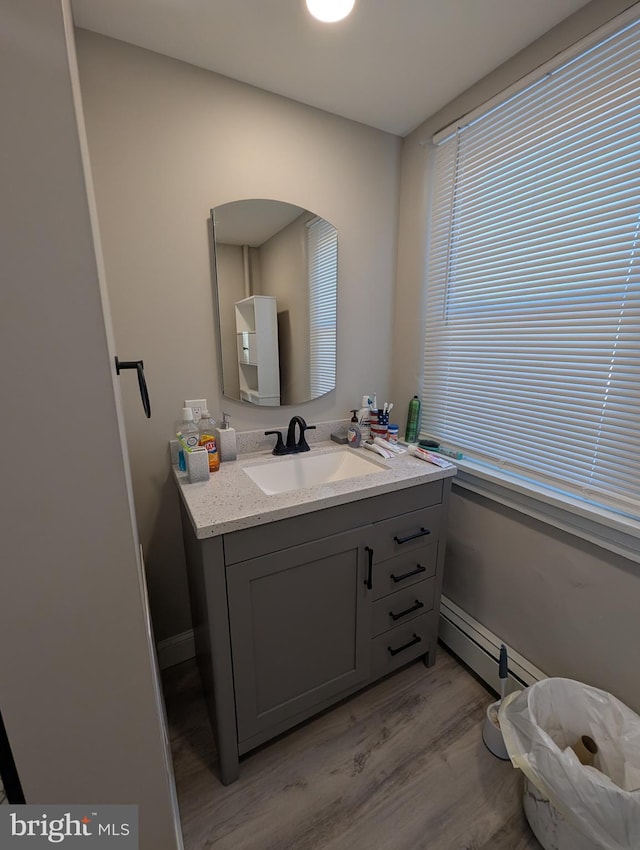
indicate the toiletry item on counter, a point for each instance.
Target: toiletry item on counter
{"x":393,"y":433}
{"x":188,"y":435}
{"x":364,"y":417}
{"x":207,"y":433}
{"x":434,"y":446}
{"x":198,"y":465}
{"x":339,"y":437}
{"x":379,"y":448}
{"x":441,"y":450}
{"x":430,"y":457}
{"x":226,"y":437}
{"x":379,"y":431}
{"x":354,"y":435}
{"x":413,"y":420}
{"x":189,"y":428}
{"x":389,"y":446}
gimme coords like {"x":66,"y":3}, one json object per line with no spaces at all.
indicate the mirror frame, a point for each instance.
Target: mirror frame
{"x":245,"y":280}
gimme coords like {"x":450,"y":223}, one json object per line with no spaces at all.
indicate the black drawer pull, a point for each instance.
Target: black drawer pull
{"x":416,"y":639}
{"x":419,"y":569}
{"x":422,"y":533}
{"x":418,"y":605}
{"x":369,"y":579}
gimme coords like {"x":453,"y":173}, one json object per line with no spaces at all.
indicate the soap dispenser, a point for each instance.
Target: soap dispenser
{"x":354,"y":434}
{"x":226,"y":438}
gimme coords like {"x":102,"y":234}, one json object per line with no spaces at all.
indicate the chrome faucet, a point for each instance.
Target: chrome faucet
{"x":292,"y":447}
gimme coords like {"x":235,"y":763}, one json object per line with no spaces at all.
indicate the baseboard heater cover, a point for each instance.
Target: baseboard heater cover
{"x":479,"y":649}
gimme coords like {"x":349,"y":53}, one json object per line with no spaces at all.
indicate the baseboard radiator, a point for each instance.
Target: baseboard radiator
{"x":479,"y":649}
{"x":474,"y":645}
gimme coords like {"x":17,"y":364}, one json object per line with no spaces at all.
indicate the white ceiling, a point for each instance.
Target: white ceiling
{"x":390,"y":64}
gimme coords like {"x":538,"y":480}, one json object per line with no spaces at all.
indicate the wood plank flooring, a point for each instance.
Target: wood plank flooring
{"x":400,"y":766}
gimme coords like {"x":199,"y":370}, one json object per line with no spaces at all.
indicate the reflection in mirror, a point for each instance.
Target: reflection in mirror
{"x":276,"y":274}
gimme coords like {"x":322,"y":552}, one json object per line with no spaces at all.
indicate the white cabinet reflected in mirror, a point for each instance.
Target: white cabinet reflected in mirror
{"x":276,"y":276}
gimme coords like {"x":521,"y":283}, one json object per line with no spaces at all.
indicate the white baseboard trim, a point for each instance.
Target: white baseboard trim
{"x":176,"y":649}
{"x":479,"y":649}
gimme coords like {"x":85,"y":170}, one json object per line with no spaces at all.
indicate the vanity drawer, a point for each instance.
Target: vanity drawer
{"x":401,"y":607}
{"x":402,"y":644}
{"x":406,"y":533}
{"x":404,"y":570}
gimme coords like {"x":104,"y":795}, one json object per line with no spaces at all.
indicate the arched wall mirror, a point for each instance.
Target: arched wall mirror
{"x":276,"y":277}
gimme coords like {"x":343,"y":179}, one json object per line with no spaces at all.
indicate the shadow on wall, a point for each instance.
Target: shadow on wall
{"x":165,"y":564}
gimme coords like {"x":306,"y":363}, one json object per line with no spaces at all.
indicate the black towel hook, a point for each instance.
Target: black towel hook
{"x":138,"y":365}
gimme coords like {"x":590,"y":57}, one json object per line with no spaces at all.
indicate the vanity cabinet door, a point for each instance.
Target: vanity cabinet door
{"x":300,"y":631}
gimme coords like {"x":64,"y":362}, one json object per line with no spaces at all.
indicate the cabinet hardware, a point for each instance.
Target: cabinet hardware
{"x":369,"y":578}
{"x":422,"y":533}
{"x":416,"y":639}
{"x":419,"y":569}
{"x":404,"y":613}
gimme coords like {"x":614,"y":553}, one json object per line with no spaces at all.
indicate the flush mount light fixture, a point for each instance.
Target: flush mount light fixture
{"x":330,"y":10}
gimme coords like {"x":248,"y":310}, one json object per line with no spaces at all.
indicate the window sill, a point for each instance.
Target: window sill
{"x":607,"y":529}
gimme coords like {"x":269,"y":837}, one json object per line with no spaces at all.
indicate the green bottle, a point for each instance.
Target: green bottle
{"x":413,"y":420}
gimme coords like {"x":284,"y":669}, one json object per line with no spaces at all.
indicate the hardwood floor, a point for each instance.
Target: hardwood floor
{"x":400,"y":766}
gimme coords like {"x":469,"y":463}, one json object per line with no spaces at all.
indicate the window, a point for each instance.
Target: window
{"x":532,"y":336}
{"x":323,"y":272}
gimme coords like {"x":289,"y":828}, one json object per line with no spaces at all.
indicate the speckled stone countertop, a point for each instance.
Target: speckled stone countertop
{"x":230,"y":500}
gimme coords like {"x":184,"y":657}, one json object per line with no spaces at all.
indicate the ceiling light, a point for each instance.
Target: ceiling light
{"x":330,"y":10}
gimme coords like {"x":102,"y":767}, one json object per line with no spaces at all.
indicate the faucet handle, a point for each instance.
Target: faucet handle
{"x":280,"y":447}
{"x":302,"y":445}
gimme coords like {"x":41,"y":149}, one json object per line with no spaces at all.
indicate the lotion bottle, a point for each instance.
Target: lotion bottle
{"x":226,"y":436}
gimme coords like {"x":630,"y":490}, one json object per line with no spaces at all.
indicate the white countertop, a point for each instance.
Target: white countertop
{"x":230,"y":500}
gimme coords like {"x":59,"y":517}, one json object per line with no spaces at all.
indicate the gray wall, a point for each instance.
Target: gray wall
{"x":167,"y":142}
{"x":77,"y":680}
{"x":569,"y":607}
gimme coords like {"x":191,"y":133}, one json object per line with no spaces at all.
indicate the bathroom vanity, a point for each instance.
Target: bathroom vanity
{"x":303,"y":597}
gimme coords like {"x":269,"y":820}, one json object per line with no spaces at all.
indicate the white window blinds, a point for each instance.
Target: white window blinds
{"x":532,"y":339}
{"x":323,"y":270}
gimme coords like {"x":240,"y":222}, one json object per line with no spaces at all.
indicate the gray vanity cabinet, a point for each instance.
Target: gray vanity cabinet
{"x":300,"y":629}
{"x":291,"y":616}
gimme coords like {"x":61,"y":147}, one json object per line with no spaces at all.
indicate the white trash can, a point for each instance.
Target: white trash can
{"x":570,"y":805}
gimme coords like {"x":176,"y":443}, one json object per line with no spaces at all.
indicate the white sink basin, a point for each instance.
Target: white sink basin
{"x":308,"y":470}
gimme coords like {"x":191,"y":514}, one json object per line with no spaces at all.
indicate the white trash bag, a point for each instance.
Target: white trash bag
{"x":540,"y":726}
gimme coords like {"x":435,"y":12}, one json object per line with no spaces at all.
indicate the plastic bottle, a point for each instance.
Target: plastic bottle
{"x":354,"y":435}
{"x":207,"y":432}
{"x":190,"y":434}
{"x":364,"y":418}
{"x":413,"y":420}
